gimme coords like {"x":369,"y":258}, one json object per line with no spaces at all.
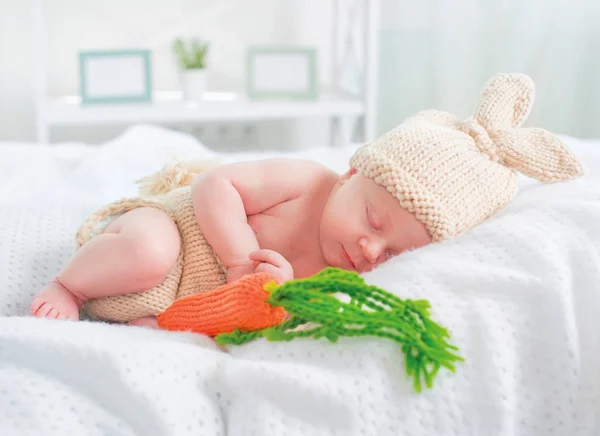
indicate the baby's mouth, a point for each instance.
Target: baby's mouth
{"x":346,"y":256}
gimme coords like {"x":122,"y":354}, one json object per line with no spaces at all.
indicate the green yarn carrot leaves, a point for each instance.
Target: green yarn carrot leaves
{"x":370,"y":311}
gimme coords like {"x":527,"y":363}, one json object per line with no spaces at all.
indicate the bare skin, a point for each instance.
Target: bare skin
{"x":291,"y":218}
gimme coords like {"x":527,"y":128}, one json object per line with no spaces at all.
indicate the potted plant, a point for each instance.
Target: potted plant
{"x":191,"y":57}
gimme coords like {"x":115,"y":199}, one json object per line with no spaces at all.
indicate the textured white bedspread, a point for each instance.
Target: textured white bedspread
{"x":520,"y":295}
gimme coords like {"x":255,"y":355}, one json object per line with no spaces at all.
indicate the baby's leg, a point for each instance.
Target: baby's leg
{"x":134,"y":254}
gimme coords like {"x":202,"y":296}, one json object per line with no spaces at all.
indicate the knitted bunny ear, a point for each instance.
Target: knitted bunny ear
{"x":505,"y":102}
{"x":536,"y":153}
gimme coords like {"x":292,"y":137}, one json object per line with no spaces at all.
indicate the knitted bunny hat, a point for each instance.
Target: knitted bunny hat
{"x":454,"y":174}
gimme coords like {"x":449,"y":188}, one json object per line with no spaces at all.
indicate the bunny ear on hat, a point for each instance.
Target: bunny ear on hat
{"x":505,"y":104}
{"x":537,"y":153}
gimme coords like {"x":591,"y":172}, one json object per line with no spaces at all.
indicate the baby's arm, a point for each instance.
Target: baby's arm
{"x":225,"y":197}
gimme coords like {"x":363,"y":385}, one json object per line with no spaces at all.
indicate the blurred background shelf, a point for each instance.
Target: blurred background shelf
{"x":216,"y":107}
{"x":348,"y":66}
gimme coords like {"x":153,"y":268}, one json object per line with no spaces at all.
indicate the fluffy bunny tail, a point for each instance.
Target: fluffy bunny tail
{"x":172,"y":176}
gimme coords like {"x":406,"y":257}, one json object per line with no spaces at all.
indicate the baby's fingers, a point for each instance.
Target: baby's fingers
{"x":270,"y":269}
{"x":268,"y":256}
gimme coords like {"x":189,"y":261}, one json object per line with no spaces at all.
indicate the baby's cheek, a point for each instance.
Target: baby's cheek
{"x":347,"y":227}
{"x":419,"y":242}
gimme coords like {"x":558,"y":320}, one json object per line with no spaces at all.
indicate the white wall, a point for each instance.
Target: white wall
{"x":73,"y":25}
{"x":439,"y":53}
{"x":16,"y":97}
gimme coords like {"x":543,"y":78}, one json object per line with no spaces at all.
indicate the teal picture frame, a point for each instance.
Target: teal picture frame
{"x":144,"y":97}
{"x":311,"y":92}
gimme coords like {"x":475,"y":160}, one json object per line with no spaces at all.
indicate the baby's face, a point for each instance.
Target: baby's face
{"x":363,"y":225}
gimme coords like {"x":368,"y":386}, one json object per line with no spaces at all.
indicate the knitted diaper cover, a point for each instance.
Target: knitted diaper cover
{"x":197,"y":269}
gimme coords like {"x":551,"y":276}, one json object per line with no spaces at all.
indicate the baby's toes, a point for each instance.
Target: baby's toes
{"x":52,"y":314}
{"x":44,"y":310}
{"x":35,"y":305}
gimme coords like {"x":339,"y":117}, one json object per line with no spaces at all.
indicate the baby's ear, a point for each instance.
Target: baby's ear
{"x":346,"y":176}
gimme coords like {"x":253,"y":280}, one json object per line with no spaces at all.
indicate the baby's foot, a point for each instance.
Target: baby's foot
{"x":56,"y":302}
{"x":146,"y":321}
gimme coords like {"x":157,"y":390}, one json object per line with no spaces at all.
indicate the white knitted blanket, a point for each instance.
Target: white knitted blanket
{"x":520,"y":295}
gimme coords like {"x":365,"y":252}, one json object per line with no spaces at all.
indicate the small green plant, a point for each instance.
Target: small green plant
{"x":191,"y":55}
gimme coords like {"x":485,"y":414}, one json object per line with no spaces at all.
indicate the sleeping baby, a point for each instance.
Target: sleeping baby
{"x":431,"y":178}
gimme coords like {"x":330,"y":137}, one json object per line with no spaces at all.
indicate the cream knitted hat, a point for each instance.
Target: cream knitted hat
{"x":454,"y":174}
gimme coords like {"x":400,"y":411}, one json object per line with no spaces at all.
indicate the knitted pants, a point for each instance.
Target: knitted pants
{"x":197,"y":268}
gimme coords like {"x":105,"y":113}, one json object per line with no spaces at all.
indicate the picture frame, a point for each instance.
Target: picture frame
{"x":115,"y":76}
{"x":281,"y":72}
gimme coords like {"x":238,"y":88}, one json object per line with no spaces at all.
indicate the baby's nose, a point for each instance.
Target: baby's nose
{"x":372,"y":251}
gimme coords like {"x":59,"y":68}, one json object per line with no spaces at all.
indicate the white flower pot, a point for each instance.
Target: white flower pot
{"x":194,"y":83}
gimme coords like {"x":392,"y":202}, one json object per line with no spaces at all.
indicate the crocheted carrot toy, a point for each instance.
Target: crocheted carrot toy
{"x":257,"y":306}
{"x":239,"y":305}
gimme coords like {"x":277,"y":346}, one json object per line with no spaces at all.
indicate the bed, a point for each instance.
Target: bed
{"x":519,"y":294}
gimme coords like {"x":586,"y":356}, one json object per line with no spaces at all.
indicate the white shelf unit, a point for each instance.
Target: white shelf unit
{"x":346,"y":111}
{"x":60,"y":112}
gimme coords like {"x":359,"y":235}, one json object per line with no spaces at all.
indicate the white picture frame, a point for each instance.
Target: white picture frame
{"x":281,"y":73}
{"x":115,"y":76}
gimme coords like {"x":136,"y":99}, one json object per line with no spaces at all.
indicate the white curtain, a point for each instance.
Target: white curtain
{"x":439,"y":53}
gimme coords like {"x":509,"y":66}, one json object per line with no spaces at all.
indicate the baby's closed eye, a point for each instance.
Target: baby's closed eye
{"x":372,"y":218}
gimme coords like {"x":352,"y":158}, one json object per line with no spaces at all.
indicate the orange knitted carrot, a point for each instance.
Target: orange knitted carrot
{"x":240,"y":305}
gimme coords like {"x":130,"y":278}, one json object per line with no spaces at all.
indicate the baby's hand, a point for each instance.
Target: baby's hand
{"x":234,"y":273}
{"x":271,"y":262}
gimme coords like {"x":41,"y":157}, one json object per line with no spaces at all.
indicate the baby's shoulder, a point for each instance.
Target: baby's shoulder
{"x":313,"y":181}
{"x":308,"y":171}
